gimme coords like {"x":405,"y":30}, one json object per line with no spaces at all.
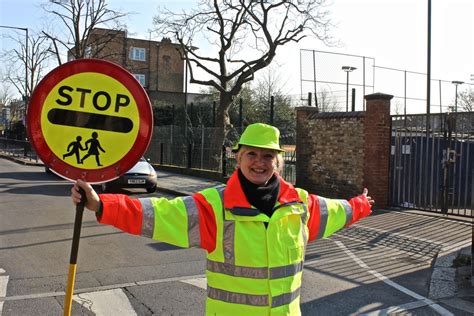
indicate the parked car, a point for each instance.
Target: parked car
{"x":142,"y":175}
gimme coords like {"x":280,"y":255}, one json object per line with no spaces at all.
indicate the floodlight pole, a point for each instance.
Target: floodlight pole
{"x":347,"y":69}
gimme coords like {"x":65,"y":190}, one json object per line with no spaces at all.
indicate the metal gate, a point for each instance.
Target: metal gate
{"x":432,"y":165}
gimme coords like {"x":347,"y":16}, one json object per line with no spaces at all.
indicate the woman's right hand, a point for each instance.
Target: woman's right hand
{"x":93,"y":201}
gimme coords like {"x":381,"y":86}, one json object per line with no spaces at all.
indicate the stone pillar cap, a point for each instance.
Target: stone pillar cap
{"x":378,"y":96}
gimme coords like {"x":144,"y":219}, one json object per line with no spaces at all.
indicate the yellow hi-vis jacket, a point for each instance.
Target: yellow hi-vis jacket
{"x":253,"y":268}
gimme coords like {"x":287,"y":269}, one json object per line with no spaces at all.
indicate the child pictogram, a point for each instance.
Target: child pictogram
{"x":73,"y":149}
{"x":93,"y":145}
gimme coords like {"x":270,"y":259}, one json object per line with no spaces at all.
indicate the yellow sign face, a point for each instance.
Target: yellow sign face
{"x":90,"y":120}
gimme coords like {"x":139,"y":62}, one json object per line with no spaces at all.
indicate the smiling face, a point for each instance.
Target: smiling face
{"x":257,"y":164}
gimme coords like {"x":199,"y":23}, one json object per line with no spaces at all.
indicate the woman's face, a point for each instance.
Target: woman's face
{"x":257,"y":164}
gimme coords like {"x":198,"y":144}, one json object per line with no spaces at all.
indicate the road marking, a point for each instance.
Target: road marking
{"x":99,"y":288}
{"x":199,"y":282}
{"x":110,"y":302}
{"x":397,"y":286}
{"x":397,"y":309}
{"x":3,"y":287}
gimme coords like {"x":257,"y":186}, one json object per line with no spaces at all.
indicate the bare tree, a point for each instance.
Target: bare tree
{"x":80,"y":18}
{"x":327,"y":101}
{"x":14,"y":61}
{"x":466,"y":100}
{"x":246,"y":36}
{"x":5,"y":94}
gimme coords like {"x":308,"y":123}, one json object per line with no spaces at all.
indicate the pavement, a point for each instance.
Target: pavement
{"x":450,"y":284}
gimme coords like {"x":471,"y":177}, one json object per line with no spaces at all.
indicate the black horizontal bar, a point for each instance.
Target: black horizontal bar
{"x":90,"y":120}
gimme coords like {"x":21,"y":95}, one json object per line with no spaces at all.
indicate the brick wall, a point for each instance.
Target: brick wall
{"x":338,"y":154}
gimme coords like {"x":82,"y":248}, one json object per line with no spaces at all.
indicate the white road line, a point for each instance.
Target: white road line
{"x":104,"y":303}
{"x":199,"y":282}
{"x":98,"y":288}
{"x":389,"y":282}
{"x":3,"y":287}
{"x":396,"y":309}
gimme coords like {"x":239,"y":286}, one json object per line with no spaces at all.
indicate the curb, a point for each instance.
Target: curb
{"x":20,"y":160}
{"x":444,"y":285}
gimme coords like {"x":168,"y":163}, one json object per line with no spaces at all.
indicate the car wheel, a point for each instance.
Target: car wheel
{"x":104,"y":187}
{"x":152,"y":189}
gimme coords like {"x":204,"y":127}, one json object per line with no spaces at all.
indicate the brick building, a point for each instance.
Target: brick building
{"x":156,"y":65}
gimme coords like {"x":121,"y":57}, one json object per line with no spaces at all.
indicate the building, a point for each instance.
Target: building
{"x":157,"y":65}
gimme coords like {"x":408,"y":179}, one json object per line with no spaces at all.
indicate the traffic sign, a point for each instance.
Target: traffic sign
{"x":89,"y":119}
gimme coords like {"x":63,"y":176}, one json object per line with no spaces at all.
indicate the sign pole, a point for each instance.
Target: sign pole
{"x":74,"y":250}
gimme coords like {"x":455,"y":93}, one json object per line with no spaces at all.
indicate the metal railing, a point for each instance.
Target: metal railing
{"x":18,"y":148}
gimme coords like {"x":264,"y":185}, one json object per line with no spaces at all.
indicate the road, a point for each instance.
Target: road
{"x":381,"y":264}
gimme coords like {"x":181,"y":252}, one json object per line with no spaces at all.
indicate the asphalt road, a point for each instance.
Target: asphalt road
{"x":381,"y":264}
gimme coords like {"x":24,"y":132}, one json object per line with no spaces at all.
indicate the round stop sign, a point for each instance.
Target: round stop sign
{"x":89,"y":119}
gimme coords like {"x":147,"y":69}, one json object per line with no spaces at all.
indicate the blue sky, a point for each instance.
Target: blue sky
{"x":394,"y":32}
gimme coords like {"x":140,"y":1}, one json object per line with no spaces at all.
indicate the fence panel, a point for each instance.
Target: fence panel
{"x":431,"y":164}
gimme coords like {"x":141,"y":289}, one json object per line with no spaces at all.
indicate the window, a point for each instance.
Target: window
{"x":140,"y":78}
{"x":138,"y":53}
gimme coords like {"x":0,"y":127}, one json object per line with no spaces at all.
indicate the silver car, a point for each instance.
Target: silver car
{"x":142,"y":175}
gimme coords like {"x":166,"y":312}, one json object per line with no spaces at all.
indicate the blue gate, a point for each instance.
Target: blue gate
{"x":432,"y":163}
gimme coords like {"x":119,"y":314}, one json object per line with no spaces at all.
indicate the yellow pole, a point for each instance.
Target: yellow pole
{"x":70,"y":289}
{"x":73,"y":258}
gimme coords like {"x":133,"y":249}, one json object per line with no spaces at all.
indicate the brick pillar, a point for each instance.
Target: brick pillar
{"x":377,"y":129}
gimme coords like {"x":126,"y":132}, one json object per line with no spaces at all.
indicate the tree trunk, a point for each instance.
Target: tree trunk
{"x":223,"y":126}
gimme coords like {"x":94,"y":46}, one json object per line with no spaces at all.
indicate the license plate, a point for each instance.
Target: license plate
{"x":136,"y":181}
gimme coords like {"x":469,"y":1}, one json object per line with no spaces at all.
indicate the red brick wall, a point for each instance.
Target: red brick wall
{"x":338,"y":154}
{"x":377,"y":147}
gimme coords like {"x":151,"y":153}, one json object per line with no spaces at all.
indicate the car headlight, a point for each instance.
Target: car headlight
{"x":152,"y":172}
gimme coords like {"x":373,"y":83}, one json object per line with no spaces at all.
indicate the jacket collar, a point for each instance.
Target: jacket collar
{"x":234,"y":196}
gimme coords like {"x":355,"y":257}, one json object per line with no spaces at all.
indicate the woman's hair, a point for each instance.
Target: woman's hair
{"x":279,"y":157}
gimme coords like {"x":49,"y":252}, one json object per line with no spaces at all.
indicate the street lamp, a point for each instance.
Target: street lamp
{"x":456,"y":84}
{"x":26,"y":63}
{"x":347,"y":69}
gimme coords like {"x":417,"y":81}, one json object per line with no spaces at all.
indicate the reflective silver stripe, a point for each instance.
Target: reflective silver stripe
{"x":323,"y":217}
{"x":194,"y":234}
{"x":348,"y":209}
{"x":254,"y":273}
{"x":304,"y":219}
{"x":148,"y":217}
{"x":228,"y":234}
{"x":286,"y":271}
{"x":285,"y":299}
{"x":228,"y":242}
{"x":220,"y":189}
{"x":237,"y":298}
{"x":238,"y":271}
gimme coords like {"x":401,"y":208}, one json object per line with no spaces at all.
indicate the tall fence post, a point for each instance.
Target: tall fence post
{"x":310,"y":96}
{"x":224,"y":161}
{"x":214,"y":114}
{"x":241,"y":114}
{"x":190,"y":155}
{"x":161,"y":153}
{"x":353,"y":99}
{"x":272,"y":109}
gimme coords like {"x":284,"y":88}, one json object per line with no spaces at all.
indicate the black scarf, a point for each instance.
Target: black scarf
{"x":263,"y":197}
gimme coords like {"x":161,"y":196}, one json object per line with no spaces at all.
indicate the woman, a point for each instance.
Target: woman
{"x":255,"y":229}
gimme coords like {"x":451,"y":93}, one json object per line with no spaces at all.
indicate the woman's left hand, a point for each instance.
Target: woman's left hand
{"x":369,"y":199}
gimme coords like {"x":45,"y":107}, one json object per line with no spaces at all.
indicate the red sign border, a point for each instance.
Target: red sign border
{"x":107,"y":68}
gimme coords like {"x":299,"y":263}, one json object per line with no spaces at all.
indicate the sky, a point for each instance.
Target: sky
{"x":389,"y":33}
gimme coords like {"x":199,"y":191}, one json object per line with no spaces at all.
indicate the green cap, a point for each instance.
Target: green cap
{"x":260,"y":135}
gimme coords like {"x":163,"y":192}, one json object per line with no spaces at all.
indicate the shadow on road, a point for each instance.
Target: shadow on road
{"x":61,"y":189}
{"x":30,"y":176}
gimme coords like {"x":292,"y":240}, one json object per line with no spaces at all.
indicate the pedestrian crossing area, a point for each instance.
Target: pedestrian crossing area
{"x":116,"y":302}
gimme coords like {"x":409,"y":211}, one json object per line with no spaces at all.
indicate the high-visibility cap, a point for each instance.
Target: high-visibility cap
{"x":260,"y":135}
